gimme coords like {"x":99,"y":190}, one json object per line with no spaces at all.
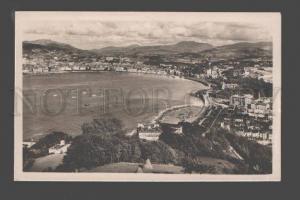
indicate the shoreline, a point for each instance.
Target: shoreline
{"x":127,"y":72}
{"x":205,"y":103}
{"x":195,"y":100}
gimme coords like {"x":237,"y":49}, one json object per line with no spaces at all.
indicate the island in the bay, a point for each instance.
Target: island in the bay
{"x":187,"y":107}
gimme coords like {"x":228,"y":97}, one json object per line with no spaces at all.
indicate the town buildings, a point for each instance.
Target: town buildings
{"x":260,"y":108}
{"x":213,"y":72}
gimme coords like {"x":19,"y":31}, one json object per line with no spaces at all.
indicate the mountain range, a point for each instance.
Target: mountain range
{"x":47,"y":44}
{"x":181,"y":47}
{"x":185,"y":47}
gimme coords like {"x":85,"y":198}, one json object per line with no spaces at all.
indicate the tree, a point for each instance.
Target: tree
{"x":257,"y":86}
{"x":41,"y":147}
{"x":28,"y":159}
{"x":106,"y":125}
{"x":51,"y":139}
{"x":91,"y":150}
{"x":158,"y":152}
{"x":195,"y":165}
{"x":258,"y":157}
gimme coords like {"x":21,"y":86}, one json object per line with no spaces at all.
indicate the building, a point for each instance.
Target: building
{"x":76,"y":68}
{"x":229,"y":86}
{"x":213,"y":72}
{"x":26,"y":71}
{"x":132,"y":70}
{"x":266,"y":136}
{"x":241,"y":101}
{"x":160,"y":72}
{"x":237,"y":72}
{"x":225,"y":125}
{"x":60,"y":148}
{"x":38,"y":70}
{"x":28,"y":144}
{"x":125,"y":60}
{"x":82,"y":68}
{"x":120,"y":69}
{"x":150,"y":132}
{"x":109,"y":59}
{"x":67,"y":68}
{"x":165,"y":65}
{"x":260,"y":108}
{"x":178,"y":131}
{"x":247,"y":71}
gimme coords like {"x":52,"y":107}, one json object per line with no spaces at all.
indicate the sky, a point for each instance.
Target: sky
{"x":98,"y":32}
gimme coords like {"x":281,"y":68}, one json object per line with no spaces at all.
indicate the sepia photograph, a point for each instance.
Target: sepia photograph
{"x":147,"y":96}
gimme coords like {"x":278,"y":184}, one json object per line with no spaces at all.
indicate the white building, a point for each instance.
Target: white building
{"x":178,"y":131}
{"x":260,"y":108}
{"x":60,"y":148}
{"x":132,"y":70}
{"x":109,"y":58}
{"x":120,"y":69}
{"x":241,"y":101}
{"x":26,"y":71}
{"x":229,"y":86}
{"x":258,"y":136}
{"x":28,"y":144}
{"x":82,"y":68}
{"x":150,"y":132}
{"x":213,"y":72}
{"x":150,"y":136}
{"x":225,"y":125}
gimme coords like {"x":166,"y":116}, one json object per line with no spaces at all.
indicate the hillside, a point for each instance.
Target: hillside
{"x":240,"y":50}
{"x":49,"y":46}
{"x":181,"y":47}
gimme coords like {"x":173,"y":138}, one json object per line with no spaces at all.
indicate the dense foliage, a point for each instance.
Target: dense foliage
{"x":90,"y":150}
{"x":51,"y":139}
{"x":257,"y":86}
{"x":101,"y":143}
{"x":197,"y":165}
{"x":158,"y":152}
{"x":193,"y":144}
{"x":28,"y":159}
{"x":106,"y":125}
{"x":217,"y":144}
{"x":258,"y":157}
{"x":41,"y":147}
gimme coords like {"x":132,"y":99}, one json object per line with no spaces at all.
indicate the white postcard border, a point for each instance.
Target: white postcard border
{"x":273,"y":19}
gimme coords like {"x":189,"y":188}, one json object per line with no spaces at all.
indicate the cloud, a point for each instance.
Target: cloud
{"x":90,"y":34}
{"x":41,"y":32}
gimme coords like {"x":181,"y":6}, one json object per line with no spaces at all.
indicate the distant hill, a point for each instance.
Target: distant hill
{"x":184,"y":48}
{"x":181,"y":47}
{"x":240,"y":50}
{"x":241,"y":45}
{"x":237,"y":50}
{"x":47,"y":44}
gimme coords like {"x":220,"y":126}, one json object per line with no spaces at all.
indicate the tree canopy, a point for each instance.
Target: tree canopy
{"x":106,"y":125}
